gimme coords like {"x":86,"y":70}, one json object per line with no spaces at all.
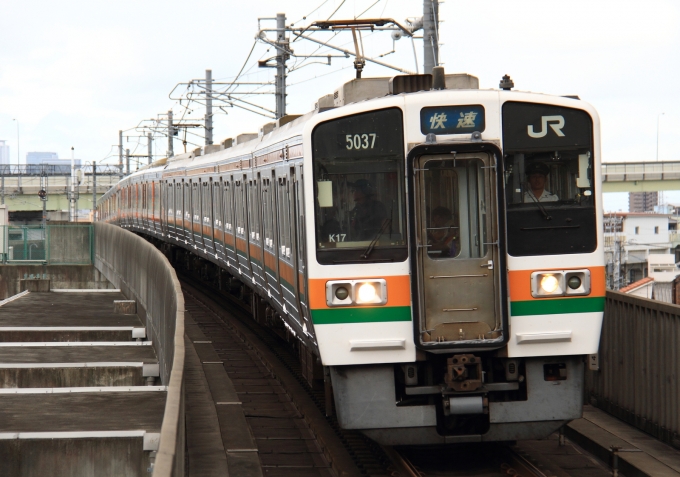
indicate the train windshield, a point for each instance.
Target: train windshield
{"x":359,"y":188}
{"x":549,"y":186}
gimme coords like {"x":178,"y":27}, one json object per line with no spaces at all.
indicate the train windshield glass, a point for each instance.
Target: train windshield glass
{"x":359,"y":188}
{"x":549,"y":186}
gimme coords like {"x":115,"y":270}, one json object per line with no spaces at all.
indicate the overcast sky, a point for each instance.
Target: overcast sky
{"x":75,"y":72}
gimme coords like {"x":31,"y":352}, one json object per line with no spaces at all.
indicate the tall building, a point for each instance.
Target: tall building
{"x":41,"y":157}
{"x":4,"y":152}
{"x":48,"y":158}
{"x":642,"y":201}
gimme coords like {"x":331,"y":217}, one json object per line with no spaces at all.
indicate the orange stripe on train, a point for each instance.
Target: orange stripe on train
{"x":398,"y":290}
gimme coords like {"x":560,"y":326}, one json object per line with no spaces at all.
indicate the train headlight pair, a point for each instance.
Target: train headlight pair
{"x":356,"y":292}
{"x":560,"y":283}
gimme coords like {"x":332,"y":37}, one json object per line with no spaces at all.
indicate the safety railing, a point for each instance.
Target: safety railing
{"x":52,"y":245}
{"x":639,"y":365}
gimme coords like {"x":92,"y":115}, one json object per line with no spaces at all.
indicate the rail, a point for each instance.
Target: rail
{"x":639,"y":365}
{"x":143,"y":273}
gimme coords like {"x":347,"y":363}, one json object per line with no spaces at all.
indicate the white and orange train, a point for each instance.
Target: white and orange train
{"x":439,"y":251}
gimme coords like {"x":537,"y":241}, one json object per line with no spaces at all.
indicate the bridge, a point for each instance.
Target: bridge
{"x":640,"y":176}
{"x":132,"y":370}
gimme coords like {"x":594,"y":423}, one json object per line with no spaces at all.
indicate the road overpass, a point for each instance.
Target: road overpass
{"x":640,"y":176}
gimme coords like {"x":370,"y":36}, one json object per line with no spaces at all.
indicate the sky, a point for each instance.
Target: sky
{"x":73,"y":73}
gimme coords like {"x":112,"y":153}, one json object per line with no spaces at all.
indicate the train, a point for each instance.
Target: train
{"x":435,"y":249}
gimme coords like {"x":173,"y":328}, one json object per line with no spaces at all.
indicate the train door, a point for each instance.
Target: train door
{"x":165,"y":208}
{"x":218,"y":217}
{"x":144,"y":212}
{"x":179,"y":210}
{"x":271,"y":238}
{"x":241,"y":225}
{"x":157,"y":201}
{"x":287,"y":252}
{"x":170,"y":209}
{"x":196,"y":222}
{"x":255,"y":235}
{"x":300,"y":241}
{"x":457,"y":262}
{"x":207,"y":216}
{"x":187,"y":221}
{"x":229,"y":223}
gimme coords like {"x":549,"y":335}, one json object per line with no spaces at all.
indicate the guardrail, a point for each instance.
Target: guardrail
{"x":638,"y":380}
{"x":143,"y":273}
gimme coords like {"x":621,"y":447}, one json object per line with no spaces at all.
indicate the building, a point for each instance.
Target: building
{"x":630,"y":240}
{"x":642,"y":201}
{"x":4,"y":152}
{"x":48,"y":158}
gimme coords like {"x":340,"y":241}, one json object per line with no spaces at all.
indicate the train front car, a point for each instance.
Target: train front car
{"x":456,"y":267}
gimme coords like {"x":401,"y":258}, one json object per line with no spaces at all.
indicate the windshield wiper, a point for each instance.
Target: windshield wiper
{"x":371,"y":245}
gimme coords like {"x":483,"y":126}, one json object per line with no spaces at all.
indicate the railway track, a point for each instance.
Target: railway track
{"x":297,"y":435}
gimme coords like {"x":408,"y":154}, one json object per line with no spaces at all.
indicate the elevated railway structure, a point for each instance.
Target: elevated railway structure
{"x":20,"y":186}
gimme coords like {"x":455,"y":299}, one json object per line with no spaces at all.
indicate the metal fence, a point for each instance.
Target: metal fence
{"x":638,"y":380}
{"x":53,"y":245}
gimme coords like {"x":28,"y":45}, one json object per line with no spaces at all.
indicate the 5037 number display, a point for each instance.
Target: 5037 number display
{"x":360,"y":141}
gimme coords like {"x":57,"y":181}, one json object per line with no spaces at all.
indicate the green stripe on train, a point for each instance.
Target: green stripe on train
{"x":557,"y":306}
{"x":331,"y":316}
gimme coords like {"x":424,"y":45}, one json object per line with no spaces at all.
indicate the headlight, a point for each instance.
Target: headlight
{"x":556,"y":283}
{"x":366,"y":293}
{"x":356,"y":292}
{"x":549,"y":283}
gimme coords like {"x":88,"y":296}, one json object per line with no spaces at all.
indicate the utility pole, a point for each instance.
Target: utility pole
{"x":171,"y":132}
{"x":281,"y":57}
{"x":94,"y":189}
{"x":208,"y":108}
{"x":127,"y":161}
{"x":149,"y":143}
{"x":72,"y":209}
{"x":430,"y":35}
{"x":120,"y":153}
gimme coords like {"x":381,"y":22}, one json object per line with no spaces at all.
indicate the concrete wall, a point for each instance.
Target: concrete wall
{"x":143,"y":273}
{"x":122,"y":457}
{"x":60,"y":276}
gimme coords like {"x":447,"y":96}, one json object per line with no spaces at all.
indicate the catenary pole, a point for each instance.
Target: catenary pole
{"x":120,"y":153}
{"x":149,"y":144}
{"x":127,"y":162}
{"x":171,"y":132}
{"x":208,"y":108}
{"x":281,"y":57}
{"x":72,"y":208}
{"x":430,"y":35}
{"x":94,"y":189}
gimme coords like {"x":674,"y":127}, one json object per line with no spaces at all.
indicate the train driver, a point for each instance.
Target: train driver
{"x":537,"y":175}
{"x":368,"y":215}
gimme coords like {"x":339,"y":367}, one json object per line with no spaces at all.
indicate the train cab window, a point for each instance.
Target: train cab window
{"x":359,"y":188}
{"x":548,"y":169}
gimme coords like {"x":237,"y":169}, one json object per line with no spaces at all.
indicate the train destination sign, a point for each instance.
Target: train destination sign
{"x":452,"y":119}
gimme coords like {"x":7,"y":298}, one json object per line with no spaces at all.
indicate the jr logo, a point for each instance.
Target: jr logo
{"x":545,"y":120}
